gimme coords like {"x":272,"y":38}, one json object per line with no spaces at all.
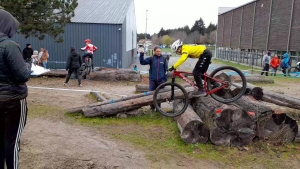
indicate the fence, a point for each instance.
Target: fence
{"x":248,"y":58}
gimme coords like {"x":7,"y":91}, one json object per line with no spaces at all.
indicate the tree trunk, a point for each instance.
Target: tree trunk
{"x":256,"y":79}
{"x":276,"y":98}
{"x":56,"y":73}
{"x":141,"y":88}
{"x":228,"y":124}
{"x":124,"y":106}
{"x":79,"y":109}
{"x":192,"y":129}
{"x":98,"y":96}
{"x":116,"y":75}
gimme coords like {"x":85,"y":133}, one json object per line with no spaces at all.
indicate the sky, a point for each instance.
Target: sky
{"x":171,"y":14}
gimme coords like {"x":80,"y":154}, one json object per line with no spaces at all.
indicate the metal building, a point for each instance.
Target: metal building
{"x":245,"y":33}
{"x":111,"y":26}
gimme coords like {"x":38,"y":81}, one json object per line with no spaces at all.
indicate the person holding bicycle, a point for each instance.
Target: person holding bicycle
{"x":89,"y":51}
{"x":196,"y":52}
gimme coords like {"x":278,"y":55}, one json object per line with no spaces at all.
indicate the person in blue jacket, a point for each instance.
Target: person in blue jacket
{"x":158,"y":69}
{"x":285,"y":63}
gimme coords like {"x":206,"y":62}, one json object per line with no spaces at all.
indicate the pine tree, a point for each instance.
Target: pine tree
{"x":40,"y":17}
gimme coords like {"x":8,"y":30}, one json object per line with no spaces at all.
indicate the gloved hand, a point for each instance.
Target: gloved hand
{"x":171,"y":69}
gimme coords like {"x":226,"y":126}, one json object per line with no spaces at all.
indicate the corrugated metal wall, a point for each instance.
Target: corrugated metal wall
{"x":227,"y":29}
{"x":220,"y":30}
{"x":247,"y":25}
{"x":261,"y":28}
{"x":107,"y":37}
{"x":279,"y":28}
{"x":280,"y":24}
{"x":236,"y":26}
{"x":295,"y":31}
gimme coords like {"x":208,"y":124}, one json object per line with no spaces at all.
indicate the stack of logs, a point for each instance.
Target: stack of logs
{"x":235,"y":124}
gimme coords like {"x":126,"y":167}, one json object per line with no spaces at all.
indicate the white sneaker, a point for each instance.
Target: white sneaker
{"x":65,"y":84}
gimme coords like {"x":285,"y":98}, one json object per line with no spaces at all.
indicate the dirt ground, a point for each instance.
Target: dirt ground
{"x":50,"y":141}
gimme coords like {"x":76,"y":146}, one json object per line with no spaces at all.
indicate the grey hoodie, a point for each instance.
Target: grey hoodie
{"x":14,"y":72}
{"x":8,"y":24}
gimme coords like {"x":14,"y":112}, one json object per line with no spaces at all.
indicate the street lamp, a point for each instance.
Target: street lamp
{"x":146,"y":29}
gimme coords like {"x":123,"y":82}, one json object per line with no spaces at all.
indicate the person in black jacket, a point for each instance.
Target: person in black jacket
{"x":14,"y":73}
{"x":27,"y":52}
{"x":73,"y":65}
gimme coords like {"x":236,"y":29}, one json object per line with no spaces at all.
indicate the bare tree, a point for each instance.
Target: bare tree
{"x":155,"y":39}
{"x":212,"y":37}
{"x":193,"y":38}
{"x":179,"y":35}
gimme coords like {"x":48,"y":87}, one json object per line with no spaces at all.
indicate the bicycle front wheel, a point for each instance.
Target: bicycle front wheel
{"x":170,"y":99}
{"x":230,"y":81}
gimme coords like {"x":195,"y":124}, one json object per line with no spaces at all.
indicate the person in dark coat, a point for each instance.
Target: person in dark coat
{"x":14,"y":73}
{"x":27,"y":52}
{"x":73,"y":65}
{"x":158,"y":69}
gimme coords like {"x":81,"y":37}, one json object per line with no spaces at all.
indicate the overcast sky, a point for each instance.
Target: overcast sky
{"x":171,"y":14}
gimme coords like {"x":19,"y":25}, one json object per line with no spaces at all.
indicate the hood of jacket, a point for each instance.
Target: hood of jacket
{"x":8,"y":24}
{"x":286,"y":55}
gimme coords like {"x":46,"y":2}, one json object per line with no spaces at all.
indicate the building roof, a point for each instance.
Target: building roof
{"x":224,"y":9}
{"x":221,"y":13}
{"x":101,"y":11}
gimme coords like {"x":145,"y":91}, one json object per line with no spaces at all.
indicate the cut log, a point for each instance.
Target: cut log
{"x":98,"y":96}
{"x":254,"y":79}
{"x":228,"y":124}
{"x":123,"y":106}
{"x":141,"y":88}
{"x":276,"y":98}
{"x":116,"y":75}
{"x":56,"y":73}
{"x":192,"y":129}
{"x":79,"y":109}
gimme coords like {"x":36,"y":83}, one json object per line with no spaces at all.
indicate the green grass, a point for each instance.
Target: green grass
{"x":159,"y":137}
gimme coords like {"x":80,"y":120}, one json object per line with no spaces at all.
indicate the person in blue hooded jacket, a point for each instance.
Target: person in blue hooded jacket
{"x":158,"y":69}
{"x":285,"y":63}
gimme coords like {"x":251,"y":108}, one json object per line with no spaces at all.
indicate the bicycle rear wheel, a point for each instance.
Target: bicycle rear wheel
{"x":89,"y":66}
{"x":170,"y":103}
{"x":231,"y":82}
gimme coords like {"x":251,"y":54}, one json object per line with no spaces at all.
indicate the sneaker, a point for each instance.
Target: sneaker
{"x":65,"y":84}
{"x":200,"y":94}
{"x":80,"y":85}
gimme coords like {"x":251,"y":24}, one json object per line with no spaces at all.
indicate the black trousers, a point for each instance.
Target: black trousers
{"x":266,"y":69}
{"x":201,"y":67}
{"x":13,"y":115}
{"x":90,"y":56}
{"x":77,"y":74}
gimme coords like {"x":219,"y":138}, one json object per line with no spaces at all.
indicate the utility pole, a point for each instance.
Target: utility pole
{"x":146,"y":29}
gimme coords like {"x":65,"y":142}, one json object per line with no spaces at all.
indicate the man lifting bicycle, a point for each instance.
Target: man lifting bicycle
{"x":188,"y":51}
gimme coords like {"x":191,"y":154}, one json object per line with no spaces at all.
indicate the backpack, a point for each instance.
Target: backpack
{"x":282,"y":64}
{"x":166,"y":60}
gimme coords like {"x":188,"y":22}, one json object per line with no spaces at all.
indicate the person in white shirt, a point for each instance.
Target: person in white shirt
{"x":266,"y":63}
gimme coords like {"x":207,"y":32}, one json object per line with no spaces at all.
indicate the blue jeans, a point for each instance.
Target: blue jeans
{"x":152,"y":86}
{"x":44,"y":64}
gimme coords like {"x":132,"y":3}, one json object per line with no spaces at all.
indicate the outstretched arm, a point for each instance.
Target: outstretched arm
{"x":143,"y":61}
{"x":181,"y":60}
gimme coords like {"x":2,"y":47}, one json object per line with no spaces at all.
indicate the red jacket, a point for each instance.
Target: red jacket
{"x":275,"y":62}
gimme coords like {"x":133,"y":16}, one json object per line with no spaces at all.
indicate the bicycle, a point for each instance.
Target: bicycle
{"x":87,"y":67}
{"x":218,"y":85}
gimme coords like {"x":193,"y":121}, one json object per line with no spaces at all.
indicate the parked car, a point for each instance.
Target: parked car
{"x":167,"y":54}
